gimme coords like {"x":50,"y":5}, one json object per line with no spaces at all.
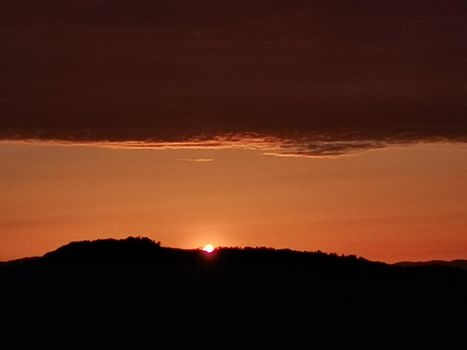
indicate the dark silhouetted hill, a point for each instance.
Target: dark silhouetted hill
{"x":135,"y":294}
{"x":459,"y":263}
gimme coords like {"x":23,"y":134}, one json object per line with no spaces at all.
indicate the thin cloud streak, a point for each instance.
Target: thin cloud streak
{"x":268,"y":146}
{"x":197,"y":160}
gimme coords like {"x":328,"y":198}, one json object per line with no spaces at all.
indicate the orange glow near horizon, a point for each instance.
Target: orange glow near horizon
{"x":393,"y":204}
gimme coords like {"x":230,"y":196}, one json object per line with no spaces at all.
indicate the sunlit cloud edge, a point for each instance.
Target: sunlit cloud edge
{"x":307,"y":146}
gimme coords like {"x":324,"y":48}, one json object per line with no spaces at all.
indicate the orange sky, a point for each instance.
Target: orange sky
{"x":391,"y":204}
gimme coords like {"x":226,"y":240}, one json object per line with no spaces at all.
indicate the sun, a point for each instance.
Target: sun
{"x":208,"y":248}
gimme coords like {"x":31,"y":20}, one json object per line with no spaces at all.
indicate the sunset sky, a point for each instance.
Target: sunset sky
{"x":338,"y":125}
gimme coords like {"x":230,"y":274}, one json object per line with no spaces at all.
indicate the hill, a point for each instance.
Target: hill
{"x":135,"y":294}
{"x":459,"y":263}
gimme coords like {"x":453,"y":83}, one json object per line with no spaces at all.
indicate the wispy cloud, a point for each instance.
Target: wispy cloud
{"x":278,"y":147}
{"x":197,"y":160}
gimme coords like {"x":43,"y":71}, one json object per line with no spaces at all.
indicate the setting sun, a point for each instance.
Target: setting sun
{"x":208,"y":248}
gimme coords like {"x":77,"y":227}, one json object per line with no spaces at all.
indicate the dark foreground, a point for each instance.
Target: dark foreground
{"x":133,"y":294}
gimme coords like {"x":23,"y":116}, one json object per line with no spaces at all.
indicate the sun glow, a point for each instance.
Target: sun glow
{"x":208,"y":248}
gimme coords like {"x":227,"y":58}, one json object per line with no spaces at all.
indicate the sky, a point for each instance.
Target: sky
{"x":334,"y":125}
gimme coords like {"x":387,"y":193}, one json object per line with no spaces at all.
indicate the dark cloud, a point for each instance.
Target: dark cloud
{"x":318,"y":77}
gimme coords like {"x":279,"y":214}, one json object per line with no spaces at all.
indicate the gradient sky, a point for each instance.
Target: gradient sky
{"x":330,"y":124}
{"x":398,"y":203}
